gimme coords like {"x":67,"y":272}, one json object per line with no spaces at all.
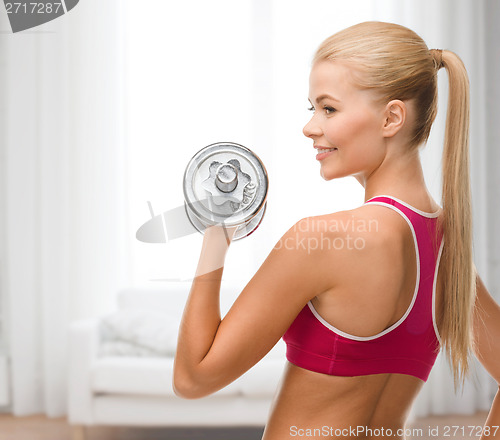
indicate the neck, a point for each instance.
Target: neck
{"x":400,"y":176}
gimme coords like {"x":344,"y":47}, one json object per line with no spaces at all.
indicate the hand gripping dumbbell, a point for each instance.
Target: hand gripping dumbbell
{"x":226,"y":184}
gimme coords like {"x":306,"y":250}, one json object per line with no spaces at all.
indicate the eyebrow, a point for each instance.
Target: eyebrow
{"x":321,"y":97}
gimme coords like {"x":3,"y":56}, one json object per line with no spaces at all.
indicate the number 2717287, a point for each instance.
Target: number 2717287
{"x":470,"y":430}
{"x":33,"y":8}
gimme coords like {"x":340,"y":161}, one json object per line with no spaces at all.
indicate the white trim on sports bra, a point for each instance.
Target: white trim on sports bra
{"x":418,"y":211}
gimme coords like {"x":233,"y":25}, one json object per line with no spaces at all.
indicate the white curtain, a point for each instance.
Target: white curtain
{"x":103,"y":107}
{"x":64,"y":184}
{"x":491,"y":114}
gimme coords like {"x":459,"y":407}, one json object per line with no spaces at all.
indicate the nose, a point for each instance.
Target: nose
{"x":311,"y":129}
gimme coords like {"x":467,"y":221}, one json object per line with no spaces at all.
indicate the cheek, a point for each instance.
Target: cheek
{"x":349,"y":129}
{"x":363,"y":126}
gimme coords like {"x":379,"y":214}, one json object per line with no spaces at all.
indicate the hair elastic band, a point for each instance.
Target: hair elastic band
{"x":437,"y":55}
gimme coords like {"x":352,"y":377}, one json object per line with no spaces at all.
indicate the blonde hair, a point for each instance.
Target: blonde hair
{"x":395,"y":62}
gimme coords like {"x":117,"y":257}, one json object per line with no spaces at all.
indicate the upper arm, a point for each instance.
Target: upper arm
{"x":487,"y":330}
{"x":288,"y":278}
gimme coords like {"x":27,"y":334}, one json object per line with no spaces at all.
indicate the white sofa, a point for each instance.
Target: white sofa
{"x":137,"y":390}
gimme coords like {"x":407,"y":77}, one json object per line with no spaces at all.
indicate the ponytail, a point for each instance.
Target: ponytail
{"x":457,"y":267}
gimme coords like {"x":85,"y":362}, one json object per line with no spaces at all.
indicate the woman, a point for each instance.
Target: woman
{"x":364,"y":309}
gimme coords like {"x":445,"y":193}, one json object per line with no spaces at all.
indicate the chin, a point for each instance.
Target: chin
{"x":329,"y":175}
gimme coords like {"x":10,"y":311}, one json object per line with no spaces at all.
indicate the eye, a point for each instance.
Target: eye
{"x":328,"y":110}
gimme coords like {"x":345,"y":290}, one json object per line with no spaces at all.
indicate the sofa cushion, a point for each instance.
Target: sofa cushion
{"x":124,"y":348}
{"x":144,"y":376}
{"x":152,"y":330}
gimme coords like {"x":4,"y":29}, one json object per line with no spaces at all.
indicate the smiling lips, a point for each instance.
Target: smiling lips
{"x":324,"y":152}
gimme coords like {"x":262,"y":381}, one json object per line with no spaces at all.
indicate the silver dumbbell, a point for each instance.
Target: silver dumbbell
{"x":226,"y":183}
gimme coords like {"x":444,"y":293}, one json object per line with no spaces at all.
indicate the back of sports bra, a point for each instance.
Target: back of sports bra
{"x":409,"y":346}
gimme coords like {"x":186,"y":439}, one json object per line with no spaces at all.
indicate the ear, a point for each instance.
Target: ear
{"x":394,"y":117}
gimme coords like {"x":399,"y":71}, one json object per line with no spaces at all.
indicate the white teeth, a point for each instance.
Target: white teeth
{"x":323,"y":150}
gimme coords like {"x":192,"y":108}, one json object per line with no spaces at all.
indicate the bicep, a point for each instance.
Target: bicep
{"x":487,"y":330}
{"x":264,"y":310}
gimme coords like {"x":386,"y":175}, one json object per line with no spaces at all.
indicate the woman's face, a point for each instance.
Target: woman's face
{"x":346,"y":126}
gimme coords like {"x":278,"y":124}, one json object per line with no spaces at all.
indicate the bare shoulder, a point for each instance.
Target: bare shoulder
{"x":370,"y":237}
{"x":372,"y":225}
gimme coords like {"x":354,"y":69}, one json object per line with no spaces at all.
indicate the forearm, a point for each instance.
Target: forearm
{"x":491,"y":426}
{"x":201,"y":317}
{"x":487,"y":347}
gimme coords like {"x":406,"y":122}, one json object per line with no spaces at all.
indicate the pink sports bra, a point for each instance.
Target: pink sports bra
{"x":409,"y":346}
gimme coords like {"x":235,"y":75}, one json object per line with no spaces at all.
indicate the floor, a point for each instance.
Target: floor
{"x":41,"y":428}
{"x":452,"y":427}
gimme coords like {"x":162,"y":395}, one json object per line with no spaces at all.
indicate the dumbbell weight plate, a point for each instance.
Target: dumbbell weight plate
{"x":225,"y":183}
